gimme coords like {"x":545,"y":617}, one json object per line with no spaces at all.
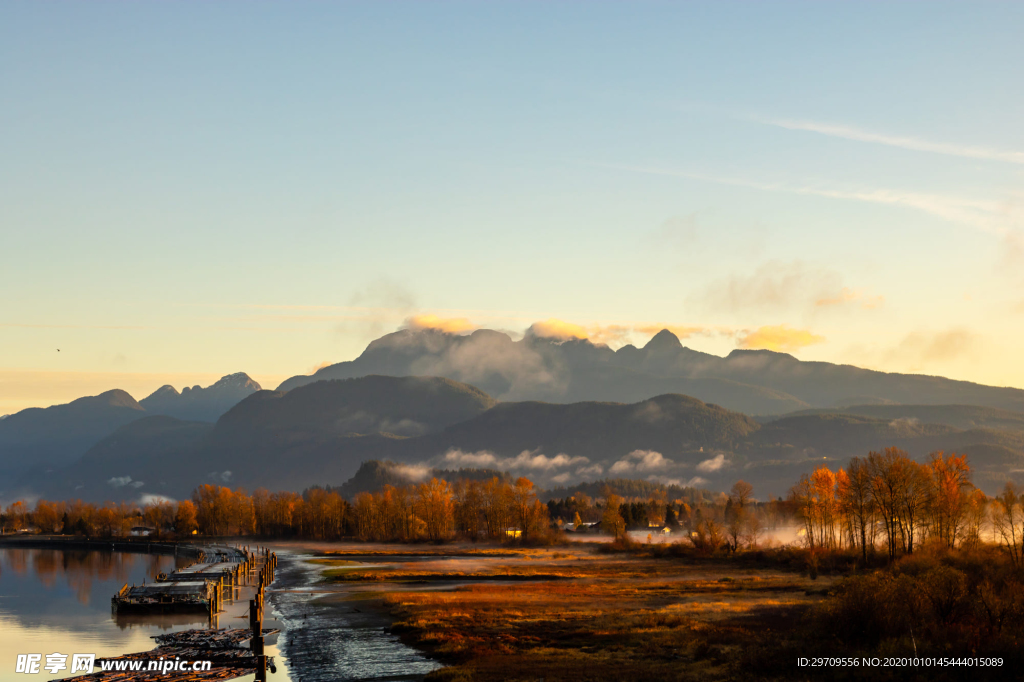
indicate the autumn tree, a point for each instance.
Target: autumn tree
{"x":1008,"y":519}
{"x":611,"y":520}
{"x":951,"y":485}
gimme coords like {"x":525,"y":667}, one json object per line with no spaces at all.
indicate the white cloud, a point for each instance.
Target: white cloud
{"x":641,"y":460}
{"x":716,"y":463}
{"x":149,"y":498}
{"x":527,"y":459}
{"x":530,"y":460}
{"x":992,"y":217}
{"x":119,"y":481}
{"x":222,"y":476}
{"x":476,"y":459}
{"x":413,"y":472}
{"x":916,"y":144}
{"x":592,"y":470}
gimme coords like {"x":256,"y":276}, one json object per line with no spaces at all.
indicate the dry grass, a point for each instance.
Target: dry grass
{"x":578,"y":615}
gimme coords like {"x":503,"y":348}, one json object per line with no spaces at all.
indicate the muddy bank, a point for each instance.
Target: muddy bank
{"x":333,"y":632}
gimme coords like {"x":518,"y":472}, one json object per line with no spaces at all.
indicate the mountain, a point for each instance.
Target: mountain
{"x":125,"y":461}
{"x":959,"y":416}
{"x":316,"y":434}
{"x":320,"y":434}
{"x":201,"y":404}
{"x":40,"y":438}
{"x":756,"y":382}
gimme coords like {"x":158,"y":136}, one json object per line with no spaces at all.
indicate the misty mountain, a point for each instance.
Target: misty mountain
{"x":750,"y":381}
{"x":960,"y":416}
{"x":44,"y":438}
{"x":39,"y":438}
{"x":198,"y":403}
{"x":320,"y":434}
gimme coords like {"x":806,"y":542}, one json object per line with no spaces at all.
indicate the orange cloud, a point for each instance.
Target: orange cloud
{"x":779,"y":338}
{"x":557,"y":329}
{"x":848,"y":295}
{"x":450,"y":325}
{"x":681,"y":332}
{"x":320,"y":365}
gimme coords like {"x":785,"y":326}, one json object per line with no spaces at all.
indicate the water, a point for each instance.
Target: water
{"x":58,"y":601}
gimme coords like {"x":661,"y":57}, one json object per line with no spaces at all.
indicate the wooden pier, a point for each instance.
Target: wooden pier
{"x":232,"y":653}
{"x":201,"y":585}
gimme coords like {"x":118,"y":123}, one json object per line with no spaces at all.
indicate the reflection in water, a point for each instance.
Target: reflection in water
{"x":59,"y":601}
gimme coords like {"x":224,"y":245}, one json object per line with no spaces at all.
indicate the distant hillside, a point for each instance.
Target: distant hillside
{"x":320,"y":434}
{"x":201,"y":404}
{"x":373,"y":475}
{"x":959,"y":416}
{"x":751,"y":381}
{"x":316,"y":435}
{"x":602,"y":432}
{"x":43,"y":438}
{"x":55,"y":436}
{"x":128,"y":462}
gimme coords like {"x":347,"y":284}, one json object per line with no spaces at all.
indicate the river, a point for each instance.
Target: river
{"x":58,"y":601}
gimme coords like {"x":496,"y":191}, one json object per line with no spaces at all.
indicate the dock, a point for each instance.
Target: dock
{"x":232,"y":653}
{"x":200,"y":585}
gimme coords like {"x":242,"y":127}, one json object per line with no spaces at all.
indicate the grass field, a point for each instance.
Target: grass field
{"x":581,"y":613}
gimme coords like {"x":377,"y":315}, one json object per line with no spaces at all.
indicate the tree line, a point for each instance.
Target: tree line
{"x":884,"y":500}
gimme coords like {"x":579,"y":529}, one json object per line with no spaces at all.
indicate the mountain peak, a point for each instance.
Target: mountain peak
{"x":662,"y":341}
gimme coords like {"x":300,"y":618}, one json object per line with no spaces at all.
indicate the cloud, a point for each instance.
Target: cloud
{"x":119,"y":481}
{"x":222,"y":476}
{"x":527,"y":459}
{"x":677,"y":231}
{"x":319,"y":366}
{"x":779,"y":338}
{"x":641,"y":460}
{"x":380,"y":302}
{"x":683,"y":332}
{"x":450,"y":325}
{"x":531,"y":460}
{"x":903,"y":142}
{"x":987,"y":216}
{"x":592,"y":470}
{"x":851,"y":296}
{"x":473,"y":459}
{"x":933,"y":346}
{"x":773,"y":285}
{"x":695,"y":482}
{"x":615,"y":334}
{"x":558,"y":330}
{"x":150,"y":498}
{"x":716,"y":463}
{"x":412,"y":472}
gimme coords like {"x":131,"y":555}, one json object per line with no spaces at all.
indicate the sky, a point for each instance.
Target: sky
{"x":193,"y":189}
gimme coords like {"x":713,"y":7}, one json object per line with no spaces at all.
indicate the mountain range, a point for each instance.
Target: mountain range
{"x":755,"y":382}
{"x":557,"y":411}
{"x":319,"y":434}
{"x":43,"y":438}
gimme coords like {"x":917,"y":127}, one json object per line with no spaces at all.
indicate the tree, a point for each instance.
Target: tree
{"x":856,"y":500}
{"x":1008,"y":519}
{"x":185,"y":518}
{"x":611,"y":520}
{"x":951,"y":485}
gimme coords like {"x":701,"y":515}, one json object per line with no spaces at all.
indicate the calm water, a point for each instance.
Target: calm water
{"x":57,"y":601}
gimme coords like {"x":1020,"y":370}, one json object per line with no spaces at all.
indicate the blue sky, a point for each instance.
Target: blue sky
{"x":193,"y":189}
